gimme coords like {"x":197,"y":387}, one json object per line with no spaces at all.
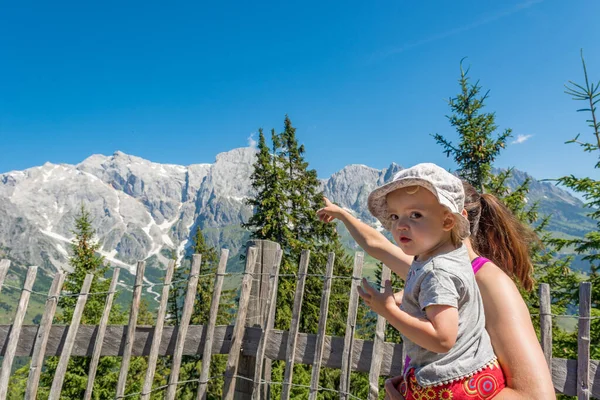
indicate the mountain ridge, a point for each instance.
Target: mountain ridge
{"x":147,"y":210}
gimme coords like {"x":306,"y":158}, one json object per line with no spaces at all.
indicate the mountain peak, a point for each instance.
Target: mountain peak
{"x":239,"y":154}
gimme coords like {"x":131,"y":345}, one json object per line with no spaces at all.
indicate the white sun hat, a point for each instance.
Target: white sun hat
{"x":447,"y":188}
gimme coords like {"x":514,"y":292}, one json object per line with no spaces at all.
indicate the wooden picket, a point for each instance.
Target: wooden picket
{"x":4,"y":265}
{"x":158,"y":330}
{"x":350,"y":326}
{"x":268,"y":327}
{"x":11,"y":348}
{"x":101,"y":331}
{"x":583,"y":341}
{"x":316,"y":369}
{"x":238,"y":328}
{"x":188,"y":307}
{"x":63,"y":361}
{"x":546,"y":323}
{"x":295,"y":325}
{"x":378,"y":345}
{"x":41,"y":339}
{"x":210,"y":328}
{"x":133,"y":313}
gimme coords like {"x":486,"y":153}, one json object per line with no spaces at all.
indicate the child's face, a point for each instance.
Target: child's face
{"x":419,"y":222}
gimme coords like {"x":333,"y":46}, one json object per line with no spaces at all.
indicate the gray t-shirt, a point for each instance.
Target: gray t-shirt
{"x":447,"y":279}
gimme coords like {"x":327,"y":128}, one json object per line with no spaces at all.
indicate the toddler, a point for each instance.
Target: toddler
{"x":441,"y":317}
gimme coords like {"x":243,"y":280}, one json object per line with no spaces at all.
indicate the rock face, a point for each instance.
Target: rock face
{"x":145,"y":210}
{"x":140,"y":209}
{"x":351,"y":186}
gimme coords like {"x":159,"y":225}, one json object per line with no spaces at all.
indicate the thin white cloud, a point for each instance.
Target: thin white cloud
{"x":484,"y":21}
{"x":251,"y":142}
{"x":521,"y":139}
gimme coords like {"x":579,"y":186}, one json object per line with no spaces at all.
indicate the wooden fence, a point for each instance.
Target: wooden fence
{"x":251,"y":342}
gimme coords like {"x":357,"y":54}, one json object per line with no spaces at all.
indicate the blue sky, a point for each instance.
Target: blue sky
{"x":363,"y":82}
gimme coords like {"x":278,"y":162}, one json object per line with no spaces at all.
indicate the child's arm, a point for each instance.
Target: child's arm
{"x":437,"y":333}
{"x":371,"y":240}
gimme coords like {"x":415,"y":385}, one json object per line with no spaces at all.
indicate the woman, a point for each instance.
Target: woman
{"x":498,"y":235}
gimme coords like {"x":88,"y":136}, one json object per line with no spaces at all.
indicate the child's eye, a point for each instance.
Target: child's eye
{"x":393,"y":217}
{"x":415,"y":215}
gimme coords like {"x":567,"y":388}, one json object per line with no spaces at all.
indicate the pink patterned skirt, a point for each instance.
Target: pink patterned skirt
{"x":482,"y":385}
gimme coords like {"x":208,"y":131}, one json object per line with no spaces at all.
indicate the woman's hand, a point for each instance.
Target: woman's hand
{"x":379,"y":302}
{"x":329,"y":212}
{"x":391,"y":393}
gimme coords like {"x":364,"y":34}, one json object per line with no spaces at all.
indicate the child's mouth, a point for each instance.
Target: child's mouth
{"x":404,"y":239}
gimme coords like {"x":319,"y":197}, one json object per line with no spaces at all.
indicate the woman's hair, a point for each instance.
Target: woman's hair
{"x":498,"y":235}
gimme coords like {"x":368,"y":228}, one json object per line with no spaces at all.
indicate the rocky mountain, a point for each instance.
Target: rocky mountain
{"x":140,"y":209}
{"x":146,"y":210}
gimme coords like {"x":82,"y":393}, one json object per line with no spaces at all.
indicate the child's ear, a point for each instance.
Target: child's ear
{"x":449,"y":222}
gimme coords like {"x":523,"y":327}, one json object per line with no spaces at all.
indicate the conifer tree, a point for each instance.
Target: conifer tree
{"x":589,"y":189}
{"x":478,"y":147}
{"x":287,"y":196}
{"x":268,"y":220}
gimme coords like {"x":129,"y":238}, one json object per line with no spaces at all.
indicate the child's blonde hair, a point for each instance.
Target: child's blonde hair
{"x":455,"y":236}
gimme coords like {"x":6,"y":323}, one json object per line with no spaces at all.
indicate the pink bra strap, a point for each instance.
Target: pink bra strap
{"x":478,"y":263}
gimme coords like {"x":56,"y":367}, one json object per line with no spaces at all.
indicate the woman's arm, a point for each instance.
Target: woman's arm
{"x":514,"y":340}
{"x":370,"y":239}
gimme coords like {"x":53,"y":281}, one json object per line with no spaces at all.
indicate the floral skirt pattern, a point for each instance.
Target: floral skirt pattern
{"x":482,"y":385}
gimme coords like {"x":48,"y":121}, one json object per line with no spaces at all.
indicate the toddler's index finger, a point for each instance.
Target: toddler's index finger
{"x":367,"y":286}
{"x":388,"y":286}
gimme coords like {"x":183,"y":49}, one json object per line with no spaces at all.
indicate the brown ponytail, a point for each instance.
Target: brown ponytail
{"x":498,"y":235}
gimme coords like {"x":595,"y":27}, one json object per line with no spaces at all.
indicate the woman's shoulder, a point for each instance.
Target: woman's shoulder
{"x":498,"y":289}
{"x":491,"y":273}
{"x":505,"y":309}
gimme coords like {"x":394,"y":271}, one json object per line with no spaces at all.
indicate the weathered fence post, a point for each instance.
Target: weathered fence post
{"x":231,"y":370}
{"x":41,"y":339}
{"x":257,"y":390}
{"x":377,"y":355}
{"x":186,"y":315}
{"x":546,"y":323}
{"x":63,"y":361}
{"x":350,"y":326}
{"x":210,"y":326}
{"x":292,"y":338}
{"x":15,"y":332}
{"x":100,"y":337}
{"x":4,"y":264}
{"x":583,"y":343}
{"x":320,"y":344}
{"x":157,"y":335}
{"x":266,"y":255}
{"x":265,"y":259}
{"x":130,"y":335}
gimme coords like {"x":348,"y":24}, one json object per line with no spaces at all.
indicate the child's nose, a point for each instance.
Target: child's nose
{"x":401,"y":225}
